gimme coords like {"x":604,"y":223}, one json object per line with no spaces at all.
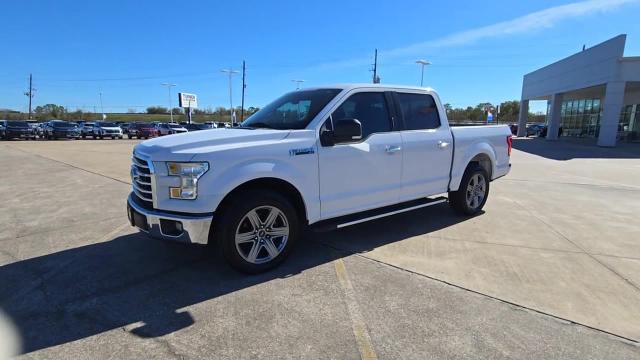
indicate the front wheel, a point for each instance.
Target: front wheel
{"x":257,"y":231}
{"x":472,"y":194}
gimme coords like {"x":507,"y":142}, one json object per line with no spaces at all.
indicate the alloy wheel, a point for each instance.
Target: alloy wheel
{"x":262,"y":234}
{"x":476,"y":191}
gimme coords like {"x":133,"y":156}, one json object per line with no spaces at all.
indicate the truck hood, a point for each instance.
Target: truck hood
{"x":109,"y":128}
{"x":184,"y":146}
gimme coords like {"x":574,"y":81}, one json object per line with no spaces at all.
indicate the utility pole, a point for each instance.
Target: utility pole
{"x":231,"y":72}
{"x":169,"y":86}
{"x":244,"y":86}
{"x":376,"y":79}
{"x":298,"y":82}
{"x":30,"y":93}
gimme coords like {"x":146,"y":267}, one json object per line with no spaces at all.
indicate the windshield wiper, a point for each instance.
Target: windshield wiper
{"x":258,"y":125}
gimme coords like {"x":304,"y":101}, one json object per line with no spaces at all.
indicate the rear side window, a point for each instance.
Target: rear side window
{"x":369,"y":108}
{"x":419,"y":111}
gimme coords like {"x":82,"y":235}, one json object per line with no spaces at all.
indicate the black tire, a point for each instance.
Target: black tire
{"x":84,"y":136}
{"x":229,"y":223}
{"x":458,"y":199}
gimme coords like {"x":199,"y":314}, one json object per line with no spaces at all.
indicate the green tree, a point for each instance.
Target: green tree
{"x":509,"y":111}
{"x":157,"y":110}
{"x":50,"y":111}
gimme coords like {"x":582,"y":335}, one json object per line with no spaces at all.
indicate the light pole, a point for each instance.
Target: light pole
{"x":169,"y":86}
{"x":422,"y":63}
{"x":101,"y":106}
{"x":231,"y":72}
{"x":298,"y":82}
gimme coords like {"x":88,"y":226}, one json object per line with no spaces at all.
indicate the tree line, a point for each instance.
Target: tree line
{"x":509,"y":112}
{"x":54,"y":111}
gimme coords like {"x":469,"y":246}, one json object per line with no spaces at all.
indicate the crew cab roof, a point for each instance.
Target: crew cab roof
{"x":365,"y":85}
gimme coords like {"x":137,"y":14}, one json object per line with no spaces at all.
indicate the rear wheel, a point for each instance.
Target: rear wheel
{"x":257,"y":230}
{"x":472,"y":194}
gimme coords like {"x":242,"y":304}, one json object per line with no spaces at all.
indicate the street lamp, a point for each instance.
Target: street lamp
{"x":231,"y":72}
{"x":298,"y":82}
{"x":422,"y":63}
{"x":169,"y":86}
{"x":101,"y":106}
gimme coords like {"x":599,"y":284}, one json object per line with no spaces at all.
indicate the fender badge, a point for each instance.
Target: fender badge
{"x":304,"y":151}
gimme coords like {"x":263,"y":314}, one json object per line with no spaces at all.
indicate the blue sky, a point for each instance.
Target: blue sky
{"x":126,"y":49}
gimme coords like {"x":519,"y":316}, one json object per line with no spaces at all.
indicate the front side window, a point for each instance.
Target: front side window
{"x":292,"y":111}
{"x":419,"y":111}
{"x":370,"y":108}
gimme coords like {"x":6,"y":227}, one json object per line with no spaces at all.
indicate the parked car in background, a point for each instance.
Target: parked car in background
{"x":15,"y":129}
{"x":142,"y":130}
{"x":170,"y":128}
{"x":39,"y":130}
{"x":125,"y":128}
{"x":103,"y":129}
{"x":198,"y":126}
{"x":86,"y":129}
{"x":60,"y":129}
{"x":534,"y":129}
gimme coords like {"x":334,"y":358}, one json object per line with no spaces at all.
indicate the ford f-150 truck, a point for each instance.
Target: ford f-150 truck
{"x":328,"y":157}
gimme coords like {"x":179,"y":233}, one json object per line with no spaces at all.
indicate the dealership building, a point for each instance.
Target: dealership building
{"x":592,"y":94}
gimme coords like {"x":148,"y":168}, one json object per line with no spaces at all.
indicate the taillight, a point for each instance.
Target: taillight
{"x":509,"y":144}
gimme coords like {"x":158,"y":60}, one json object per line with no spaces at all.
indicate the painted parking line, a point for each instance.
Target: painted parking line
{"x":357,"y":321}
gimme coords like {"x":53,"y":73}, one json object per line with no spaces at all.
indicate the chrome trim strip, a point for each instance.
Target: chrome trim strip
{"x":390,"y":213}
{"x":141,"y":195}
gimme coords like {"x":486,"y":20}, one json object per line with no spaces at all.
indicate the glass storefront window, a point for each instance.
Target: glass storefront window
{"x":580,"y":107}
{"x":596,"y":106}
{"x":587,"y":106}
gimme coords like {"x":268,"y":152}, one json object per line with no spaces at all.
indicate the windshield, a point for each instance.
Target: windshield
{"x":17,"y":123}
{"x":64,"y":124}
{"x":108,"y":124}
{"x":292,"y":111}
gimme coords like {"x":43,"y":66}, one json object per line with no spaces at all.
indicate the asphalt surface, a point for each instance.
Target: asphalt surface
{"x":550,"y":270}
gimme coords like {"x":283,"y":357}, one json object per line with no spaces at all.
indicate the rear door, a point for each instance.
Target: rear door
{"x":363,"y":174}
{"x":427,"y":145}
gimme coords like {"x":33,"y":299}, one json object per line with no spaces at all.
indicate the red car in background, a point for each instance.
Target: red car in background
{"x":142,"y":131}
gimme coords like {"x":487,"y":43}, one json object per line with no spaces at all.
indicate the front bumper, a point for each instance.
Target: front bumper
{"x":167,"y":226}
{"x":18,"y":134}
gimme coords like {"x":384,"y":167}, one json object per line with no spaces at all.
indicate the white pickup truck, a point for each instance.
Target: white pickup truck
{"x":327,"y":157}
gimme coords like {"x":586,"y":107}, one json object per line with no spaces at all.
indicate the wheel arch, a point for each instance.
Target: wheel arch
{"x":281,"y":186}
{"x":480,"y":153}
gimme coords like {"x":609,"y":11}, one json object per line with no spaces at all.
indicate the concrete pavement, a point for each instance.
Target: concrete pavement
{"x":555,"y":238}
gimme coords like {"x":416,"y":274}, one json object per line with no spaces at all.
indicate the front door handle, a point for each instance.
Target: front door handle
{"x":442,"y":144}
{"x":390,"y":149}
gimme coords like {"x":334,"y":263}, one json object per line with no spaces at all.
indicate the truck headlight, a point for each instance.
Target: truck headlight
{"x":189,"y":174}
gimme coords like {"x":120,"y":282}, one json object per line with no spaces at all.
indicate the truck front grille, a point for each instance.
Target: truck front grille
{"x":141,"y":180}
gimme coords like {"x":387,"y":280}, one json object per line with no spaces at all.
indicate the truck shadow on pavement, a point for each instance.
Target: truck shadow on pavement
{"x":139,"y":284}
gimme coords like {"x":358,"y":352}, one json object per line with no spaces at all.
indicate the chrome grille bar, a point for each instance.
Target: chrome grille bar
{"x":142,"y":179}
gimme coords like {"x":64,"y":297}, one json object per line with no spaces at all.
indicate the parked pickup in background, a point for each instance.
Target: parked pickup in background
{"x":326,"y":157}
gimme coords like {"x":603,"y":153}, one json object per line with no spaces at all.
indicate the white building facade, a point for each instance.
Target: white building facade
{"x":594,"y":93}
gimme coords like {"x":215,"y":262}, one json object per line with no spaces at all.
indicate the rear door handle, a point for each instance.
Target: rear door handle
{"x":390,"y":149}
{"x":442,"y":144}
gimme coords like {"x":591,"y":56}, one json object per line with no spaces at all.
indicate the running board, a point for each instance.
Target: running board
{"x":358,"y":218}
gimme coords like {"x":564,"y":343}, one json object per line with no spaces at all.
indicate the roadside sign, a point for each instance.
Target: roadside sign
{"x":186,"y":100}
{"x":489,"y":117}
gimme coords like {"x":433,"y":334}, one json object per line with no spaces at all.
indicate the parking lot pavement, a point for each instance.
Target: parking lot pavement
{"x":78,"y":282}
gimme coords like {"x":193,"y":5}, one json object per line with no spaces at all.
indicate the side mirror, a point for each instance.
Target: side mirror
{"x":347,"y":130}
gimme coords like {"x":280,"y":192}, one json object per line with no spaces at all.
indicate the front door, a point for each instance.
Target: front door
{"x":363,"y":174}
